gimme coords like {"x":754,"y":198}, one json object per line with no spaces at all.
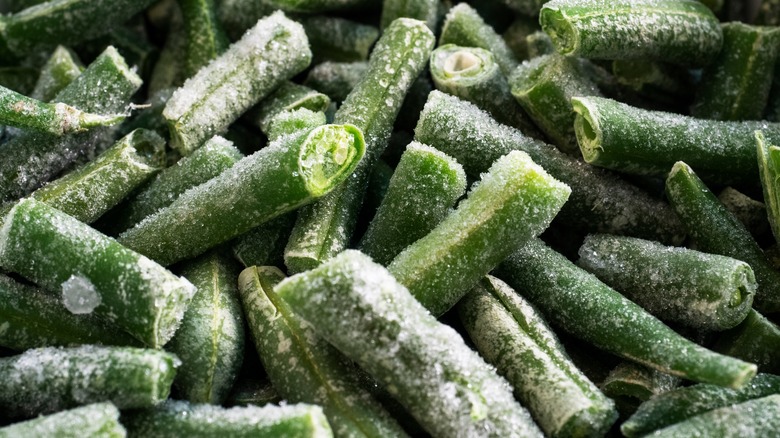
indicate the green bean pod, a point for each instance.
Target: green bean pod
{"x":93,"y":272}
{"x":31,"y":159}
{"x":338,"y":39}
{"x":515,"y":201}
{"x":336,"y":79}
{"x":716,"y":231}
{"x":288,"y":122}
{"x":91,"y":190}
{"x":67,"y":22}
{"x":325,"y":228}
{"x":292,"y":172}
{"x":677,"y":31}
{"x":210,"y":341}
{"x":47,"y":380}
{"x":599,"y":201}
{"x":544,"y":87}
{"x":472,"y":74}
{"x":703,"y":291}
{"x":364,"y":312}
{"x":178,"y":418}
{"x":274,"y":50}
{"x":573,"y":299}
{"x":736,"y":86}
{"x":95,"y":420}
{"x":464,"y":27}
{"x":510,"y":334}
{"x":303,"y":366}
{"x":680,"y":404}
{"x":406,"y":215}
{"x":216,"y":156}
{"x":205,"y":38}
{"x":423,"y":10}
{"x":637,"y":141}
{"x":629,"y":384}
{"x":264,"y":245}
{"x":60,"y":70}
{"x":289,"y":96}
{"x":756,"y":340}
{"x":757,"y":418}
{"x":33,"y":318}
{"x":769,"y":170}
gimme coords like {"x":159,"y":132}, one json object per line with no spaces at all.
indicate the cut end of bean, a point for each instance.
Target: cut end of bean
{"x":461,"y":62}
{"x":329,"y":155}
{"x":563,"y":34}
{"x":587,"y":130}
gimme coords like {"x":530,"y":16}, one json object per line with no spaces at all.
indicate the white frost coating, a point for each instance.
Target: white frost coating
{"x":79,"y":295}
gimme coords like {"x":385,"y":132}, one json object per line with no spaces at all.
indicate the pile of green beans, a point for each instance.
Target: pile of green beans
{"x":365,"y":218}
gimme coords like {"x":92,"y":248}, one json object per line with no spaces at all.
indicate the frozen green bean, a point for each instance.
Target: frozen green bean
{"x":60,"y":70}
{"x":756,"y":418}
{"x":205,"y":38}
{"x":288,"y":122}
{"x":629,"y":384}
{"x":264,"y":245}
{"x":289,"y":96}
{"x":95,"y":420}
{"x":336,"y":79}
{"x":769,"y":170}
{"x":756,"y":339}
{"x":423,"y":10}
{"x":338,"y":39}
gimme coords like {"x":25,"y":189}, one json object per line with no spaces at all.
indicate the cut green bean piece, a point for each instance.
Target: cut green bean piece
{"x":46,"y":380}
{"x":599,"y":201}
{"x":289,"y":96}
{"x":573,"y":299}
{"x":336,"y":79}
{"x":205,"y":38}
{"x":423,"y":10}
{"x":630,"y":384}
{"x":96,"y":187}
{"x":464,"y":27}
{"x":706,"y":292}
{"x":544,"y":87}
{"x":675,"y":406}
{"x":676,"y":31}
{"x":210,"y":341}
{"x":338,"y":39}
{"x":325,"y":228}
{"x":510,"y":334}
{"x":750,"y":212}
{"x":756,"y":340}
{"x":473,"y":75}
{"x":289,"y":122}
{"x":274,"y":50}
{"x":216,"y":156}
{"x":406,"y":216}
{"x":290,"y":173}
{"x":31,"y":159}
{"x":57,"y":119}
{"x":637,"y":141}
{"x":65,"y":22}
{"x":736,"y":86}
{"x":515,"y":201}
{"x":769,"y":170}
{"x":264,"y":245}
{"x":92,"y":272}
{"x":717,"y":231}
{"x":95,"y":420}
{"x":304,"y":367}
{"x":33,"y":318}
{"x":60,"y":70}
{"x":178,"y":418}
{"x":754,"y":418}
{"x":364,"y":312}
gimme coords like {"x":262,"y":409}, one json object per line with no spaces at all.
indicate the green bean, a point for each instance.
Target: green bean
{"x":515,"y":36}
{"x":510,"y":334}
{"x":205,"y":38}
{"x":599,"y":201}
{"x":210,"y":341}
{"x":406,"y":216}
{"x":363,"y":311}
{"x":583,"y":306}
{"x":216,"y":156}
{"x":46,"y":380}
{"x":91,"y":190}
{"x":464,"y":27}
{"x":325,"y":228}
{"x":289,"y":96}
{"x":336,"y":79}
{"x":31,"y":159}
{"x":33,"y":318}
{"x":756,"y":340}
{"x":302,"y":366}
{"x":288,"y":122}
{"x":768,"y":169}
{"x":272,"y":51}
{"x":264,"y":245}
{"x":60,"y":70}
{"x":758,"y":418}
{"x":716,"y":231}
{"x":177,"y":418}
{"x":746,"y":63}
{"x":62,"y":22}
{"x":93,"y":272}
{"x":97,"y":420}
{"x":629,"y":384}
{"x":676,"y":31}
{"x":632,"y":140}
{"x":293,"y":171}
{"x":703,"y":291}
{"x":423,"y":10}
{"x":337,"y":39}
